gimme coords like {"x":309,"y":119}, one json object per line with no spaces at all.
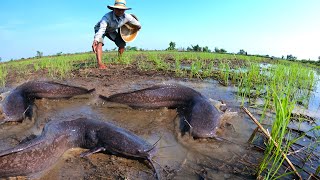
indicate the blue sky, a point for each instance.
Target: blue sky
{"x":273,"y":27}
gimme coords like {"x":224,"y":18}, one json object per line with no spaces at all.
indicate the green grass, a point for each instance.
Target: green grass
{"x":282,"y":86}
{"x":224,"y":73}
{"x":283,"y":107}
{"x":3,"y":75}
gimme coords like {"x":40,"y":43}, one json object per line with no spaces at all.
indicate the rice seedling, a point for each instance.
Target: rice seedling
{"x":126,"y":59}
{"x":280,"y":84}
{"x":43,"y":64}
{"x":283,"y":107}
{"x":178,"y":69}
{"x":195,"y":69}
{"x":224,"y":72}
{"x":247,"y":87}
{"x":158,"y":62}
{"x":208,"y":70}
{"x":205,"y":56}
{"x":179,"y":57}
{"x":58,"y":68}
{"x":36,"y":66}
{"x":3,"y":75}
{"x":144,"y":65}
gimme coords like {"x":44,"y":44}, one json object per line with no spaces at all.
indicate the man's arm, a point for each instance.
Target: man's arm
{"x":98,"y":36}
{"x":102,"y":29}
{"x":132,"y":20}
{"x":94,"y":46}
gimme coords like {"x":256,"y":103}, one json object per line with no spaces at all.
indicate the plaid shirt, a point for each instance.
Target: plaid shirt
{"x":110,"y":23}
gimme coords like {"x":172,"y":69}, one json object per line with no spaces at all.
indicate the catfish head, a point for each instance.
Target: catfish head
{"x":13,"y":106}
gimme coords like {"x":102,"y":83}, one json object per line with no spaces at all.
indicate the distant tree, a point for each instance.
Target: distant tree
{"x":223,"y":51}
{"x":172,"y":46}
{"x":59,"y":54}
{"x":196,"y":48}
{"x":129,"y":48}
{"x":217,"y":50}
{"x":318,"y":58}
{"x":206,"y":49}
{"x":290,"y":57}
{"x":39,"y":54}
{"x":0,"y":59}
{"x":242,"y":52}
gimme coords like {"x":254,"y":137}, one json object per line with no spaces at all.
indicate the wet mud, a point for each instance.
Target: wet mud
{"x":178,"y":156}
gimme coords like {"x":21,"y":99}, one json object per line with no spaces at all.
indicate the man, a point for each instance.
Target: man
{"x":108,"y":26}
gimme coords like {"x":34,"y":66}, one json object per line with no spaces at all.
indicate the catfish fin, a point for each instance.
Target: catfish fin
{"x":104,"y":97}
{"x":21,"y":147}
{"x":92,"y":151}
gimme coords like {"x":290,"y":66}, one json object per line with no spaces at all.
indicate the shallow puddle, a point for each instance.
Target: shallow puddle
{"x":177,"y":157}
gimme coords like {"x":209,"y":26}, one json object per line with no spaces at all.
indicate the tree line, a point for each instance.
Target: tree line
{"x":197,"y":48}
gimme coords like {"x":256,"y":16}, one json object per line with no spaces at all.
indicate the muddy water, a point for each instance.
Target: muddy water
{"x":178,"y":157}
{"x":313,"y":111}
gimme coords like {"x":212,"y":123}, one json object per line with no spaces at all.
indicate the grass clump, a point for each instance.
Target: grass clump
{"x":3,"y":75}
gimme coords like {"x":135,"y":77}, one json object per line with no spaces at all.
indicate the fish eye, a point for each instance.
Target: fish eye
{"x":4,"y":95}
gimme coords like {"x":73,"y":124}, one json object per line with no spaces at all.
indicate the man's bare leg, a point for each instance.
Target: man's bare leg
{"x":120,"y":52}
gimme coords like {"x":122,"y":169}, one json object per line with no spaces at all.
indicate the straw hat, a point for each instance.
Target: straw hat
{"x":119,"y":4}
{"x":129,"y":32}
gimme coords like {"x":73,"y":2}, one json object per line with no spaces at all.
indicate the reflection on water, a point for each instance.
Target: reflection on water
{"x":314,"y":102}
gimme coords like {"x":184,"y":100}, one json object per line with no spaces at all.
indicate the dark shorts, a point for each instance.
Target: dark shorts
{"x":118,"y":40}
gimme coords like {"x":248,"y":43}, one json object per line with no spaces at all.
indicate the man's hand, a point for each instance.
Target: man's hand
{"x":94,"y":46}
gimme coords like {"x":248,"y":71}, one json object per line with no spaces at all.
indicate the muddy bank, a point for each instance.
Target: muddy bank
{"x":178,"y":157}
